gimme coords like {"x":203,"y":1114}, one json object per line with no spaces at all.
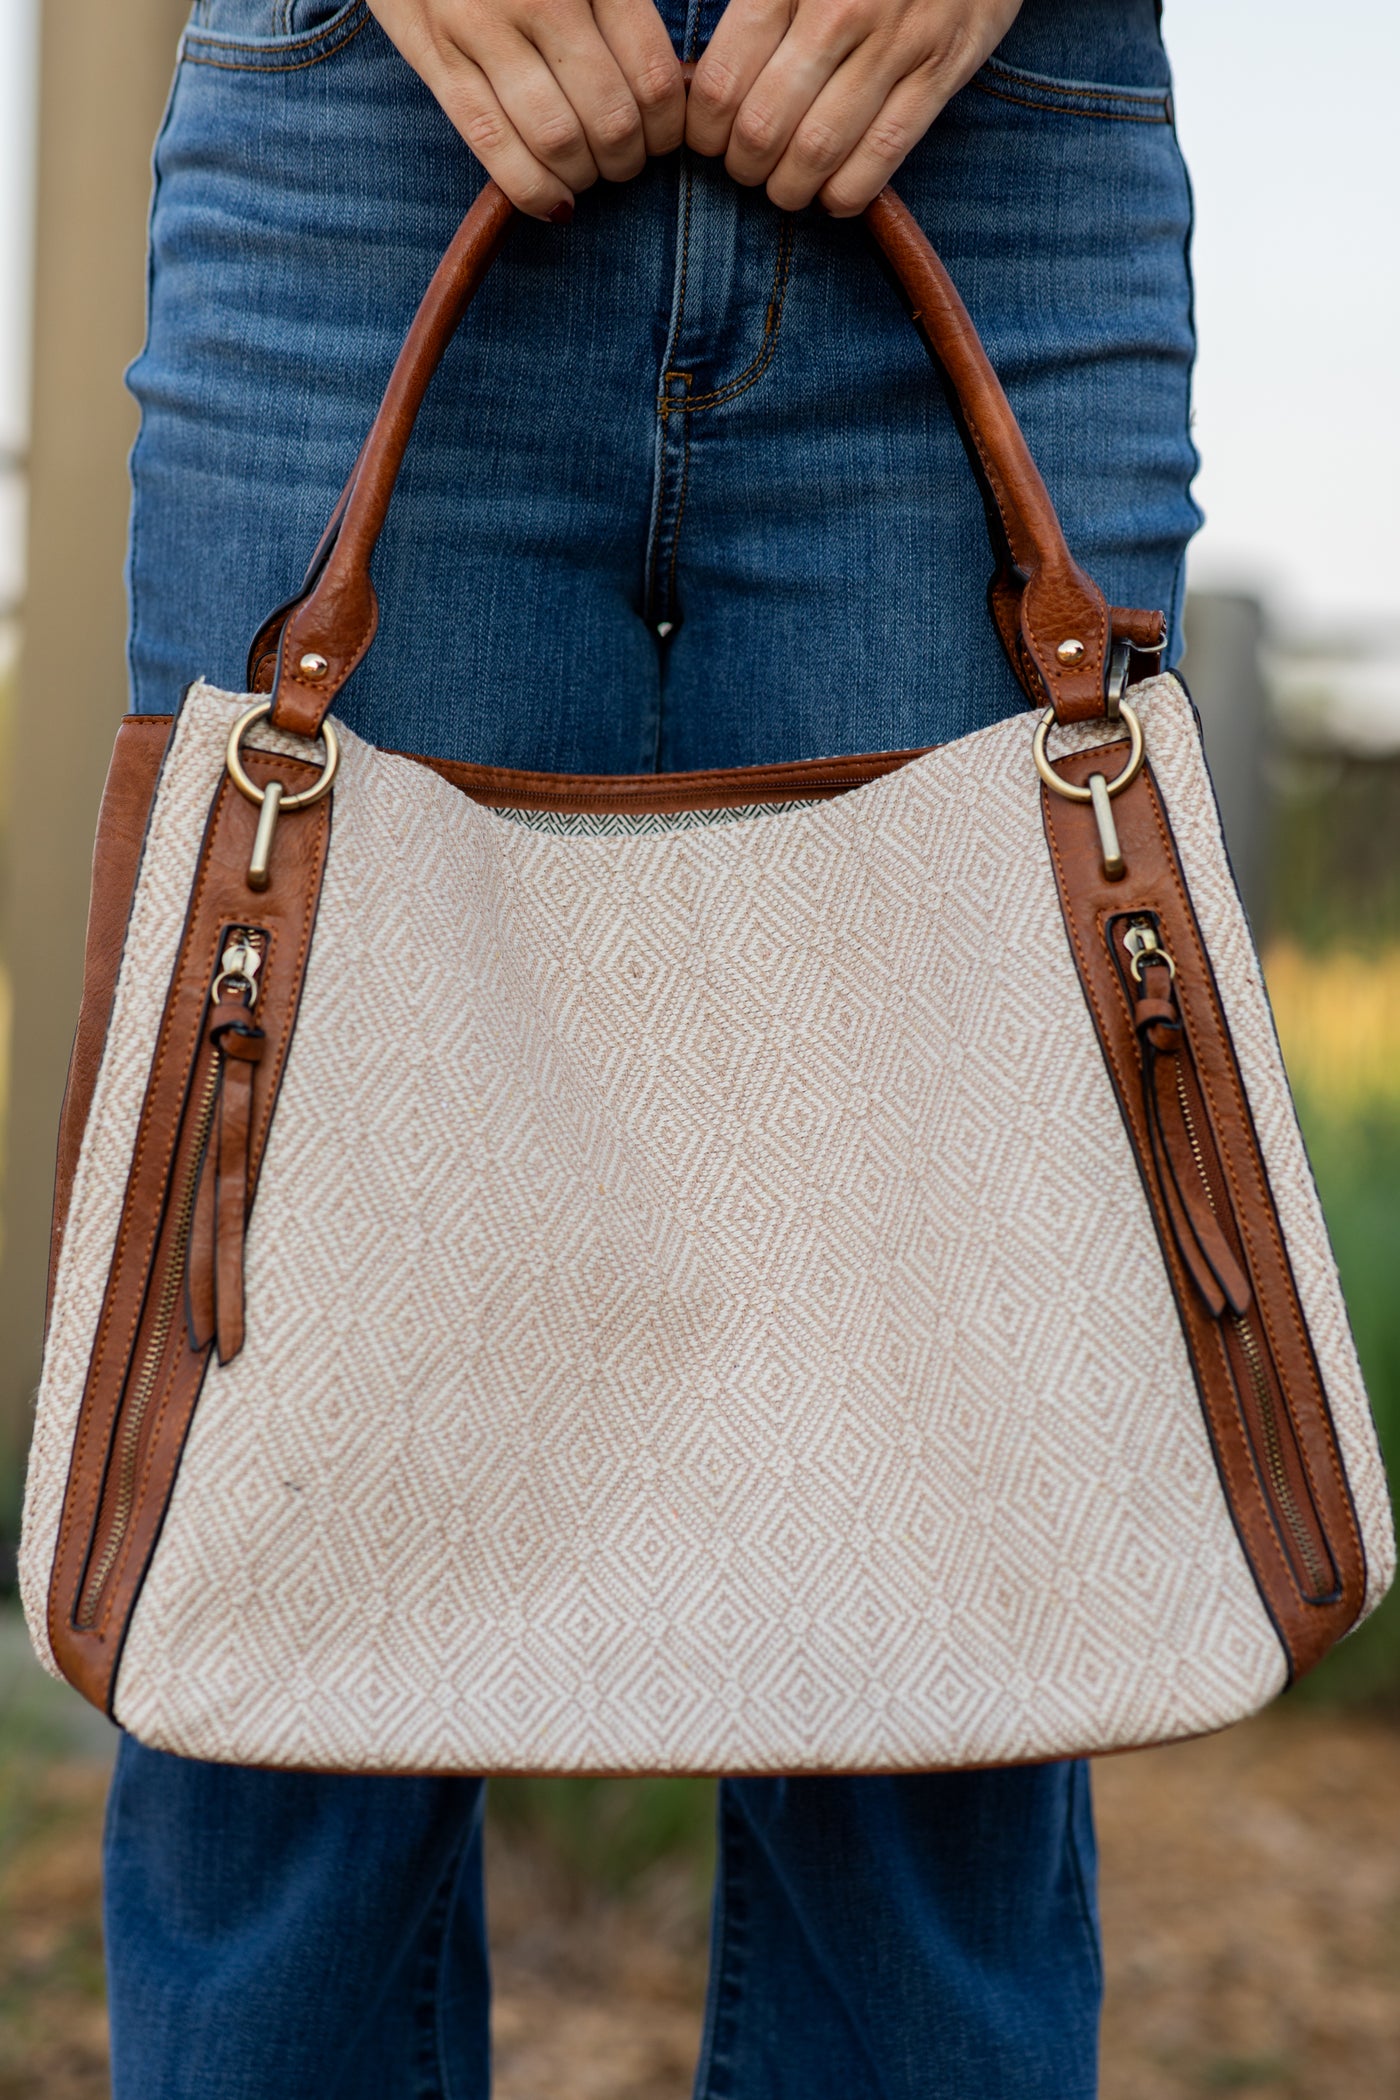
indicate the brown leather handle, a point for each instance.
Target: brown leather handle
{"x":1053,"y":619}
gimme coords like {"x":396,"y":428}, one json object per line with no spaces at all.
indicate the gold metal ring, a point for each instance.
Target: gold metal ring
{"x":1082,"y":794}
{"x":246,"y":785}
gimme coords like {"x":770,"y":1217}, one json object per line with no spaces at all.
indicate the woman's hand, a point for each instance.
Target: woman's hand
{"x":826,"y":97}
{"x":549,"y":94}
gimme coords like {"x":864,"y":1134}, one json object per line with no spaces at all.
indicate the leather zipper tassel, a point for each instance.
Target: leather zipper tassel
{"x":240,"y":1047}
{"x":185,"y":1274}
{"x":135,"y":1406}
{"x":1197,"y":1203}
{"x":1186,"y":1187}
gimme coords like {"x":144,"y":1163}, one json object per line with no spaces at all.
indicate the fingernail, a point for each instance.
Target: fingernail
{"x":562,"y":212}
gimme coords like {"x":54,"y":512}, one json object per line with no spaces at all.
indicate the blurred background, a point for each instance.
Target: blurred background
{"x":1251,"y":1883}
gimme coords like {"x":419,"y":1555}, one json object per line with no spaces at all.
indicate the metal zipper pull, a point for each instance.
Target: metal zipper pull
{"x":1186,"y":1186}
{"x":214,"y":1266}
{"x":239,"y":965}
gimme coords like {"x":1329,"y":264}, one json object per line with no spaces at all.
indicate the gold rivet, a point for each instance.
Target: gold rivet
{"x":314,"y":665}
{"x":1071,"y":652}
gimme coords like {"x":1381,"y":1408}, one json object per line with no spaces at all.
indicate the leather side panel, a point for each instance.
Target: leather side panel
{"x":89,"y":1655}
{"x":116,"y":856}
{"x":1153,"y":883}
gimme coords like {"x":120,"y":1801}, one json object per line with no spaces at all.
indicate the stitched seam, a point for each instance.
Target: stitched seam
{"x":1079,"y":1777}
{"x":443,"y":1908}
{"x":992,"y":479}
{"x":1029,"y":671}
{"x":758,"y":365}
{"x":773,"y":776}
{"x":729,"y":1957}
{"x":114,"y":1597}
{"x":1263,"y":1194}
{"x":676,"y":533}
{"x":1090,"y":90}
{"x":1109,"y":1050}
{"x":300,"y":65}
{"x":663,"y":477}
{"x":1106,"y":116}
{"x":1287,"y":1544}
{"x":260,"y":46}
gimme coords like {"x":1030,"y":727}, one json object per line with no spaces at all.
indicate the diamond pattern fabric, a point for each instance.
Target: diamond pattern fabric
{"x":683,"y":1339}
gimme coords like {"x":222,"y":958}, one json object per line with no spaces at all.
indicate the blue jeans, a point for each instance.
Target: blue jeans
{"x":686,"y":492}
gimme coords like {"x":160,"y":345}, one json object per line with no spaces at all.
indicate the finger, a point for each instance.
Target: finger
{"x":578,"y":60}
{"x":465,"y":94}
{"x":749,"y":32}
{"x":834,"y":125}
{"x":636,"y":36}
{"x":535,"y":103}
{"x":786,"y":89}
{"x":908,"y":111}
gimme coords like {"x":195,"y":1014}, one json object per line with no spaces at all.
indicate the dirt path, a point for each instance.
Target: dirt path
{"x":1251,"y":1906}
{"x":1251,"y":1897}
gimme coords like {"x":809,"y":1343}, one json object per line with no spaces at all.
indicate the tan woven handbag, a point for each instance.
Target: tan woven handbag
{"x":833,"y":1289}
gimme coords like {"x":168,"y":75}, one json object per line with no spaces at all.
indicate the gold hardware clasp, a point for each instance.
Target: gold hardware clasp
{"x":1100,"y":789}
{"x":1114,"y":865}
{"x":1142,"y":942}
{"x":273,"y":800}
{"x":240,"y":963}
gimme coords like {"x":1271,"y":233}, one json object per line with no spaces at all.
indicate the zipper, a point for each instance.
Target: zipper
{"x":1244,"y":1352}
{"x":1253,"y":1355}
{"x":1320,"y":1578}
{"x":242,"y":958}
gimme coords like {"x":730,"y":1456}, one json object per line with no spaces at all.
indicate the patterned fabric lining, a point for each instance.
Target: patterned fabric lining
{"x":642,"y":823}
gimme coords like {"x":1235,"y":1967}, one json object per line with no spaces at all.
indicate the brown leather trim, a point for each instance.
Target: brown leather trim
{"x":1310,"y":1617}
{"x":806,"y":779}
{"x":116,"y":856}
{"x":162,"y":1165}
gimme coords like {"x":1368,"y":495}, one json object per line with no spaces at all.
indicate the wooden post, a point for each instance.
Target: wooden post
{"x":104,"y":71}
{"x":1224,"y":638}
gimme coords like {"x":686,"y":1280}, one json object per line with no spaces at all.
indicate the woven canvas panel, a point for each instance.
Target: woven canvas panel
{"x":687,"y":1341}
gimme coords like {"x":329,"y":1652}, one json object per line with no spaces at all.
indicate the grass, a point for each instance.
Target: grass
{"x":1338,"y":1013}
{"x":1357,"y":1163}
{"x":609,"y":1833}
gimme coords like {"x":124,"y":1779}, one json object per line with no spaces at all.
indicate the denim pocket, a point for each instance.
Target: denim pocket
{"x":1073,"y":98}
{"x":271,"y":36}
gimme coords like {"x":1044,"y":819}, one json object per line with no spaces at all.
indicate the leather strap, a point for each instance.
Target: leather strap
{"x":1042,"y":601}
{"x":1046,"y":599}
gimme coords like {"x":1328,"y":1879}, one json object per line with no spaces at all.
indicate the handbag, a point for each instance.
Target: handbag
{"x":798,"y":1268}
